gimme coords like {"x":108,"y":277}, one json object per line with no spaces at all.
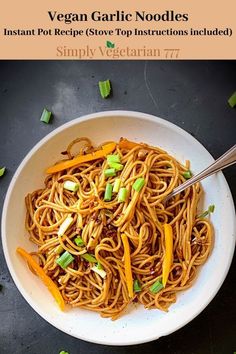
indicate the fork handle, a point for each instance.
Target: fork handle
{"x":227,"y":159}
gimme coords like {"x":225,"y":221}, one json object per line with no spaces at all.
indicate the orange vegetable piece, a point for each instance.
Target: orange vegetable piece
{"x":106,"y":149}
{"x":127,"y":144}
{"x":128,"y":271}
{"x":168,"y":256}
{"x":52,"y":287}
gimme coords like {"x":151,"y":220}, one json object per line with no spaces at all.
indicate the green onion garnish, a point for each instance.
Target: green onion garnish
{"x":116,"y":186}
{"x":122,"y":195}
{"x":89,"y":257}
{"x":79,"y":241}
{"x":63,"y":352}
{"x":187,"y":174}
{"x":65,"y":225}
{"x":110,"y":172}
{"x":117,"y":166}
{"x":138,"y":184}
{"x":71,"y":186}
{"x":59,"y":249}
{"x":108,"y":192}
{"x":2,"y":171}
{"x":210,"y":210}
{"x":113,"y":158}
{"x":108,"y":213}
{"x":99,"y":265}
{"x":137,"y":287}
{"x":65,"y":259}
{"x":101,"y":272}
{"x":232,"y":100}
{"x":105,"y":88}
{"x":46,"y":115}
{"x":156,"y":287}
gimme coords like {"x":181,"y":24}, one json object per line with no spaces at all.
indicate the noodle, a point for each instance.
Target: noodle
{"x":101,"y":224}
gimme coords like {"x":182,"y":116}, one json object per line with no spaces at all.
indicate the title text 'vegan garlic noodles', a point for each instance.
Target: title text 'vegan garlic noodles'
{"x":106,"y":236}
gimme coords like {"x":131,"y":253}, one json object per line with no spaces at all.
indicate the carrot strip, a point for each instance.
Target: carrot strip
{"x":52,"y":287}
{"x":168,"y":256}
{"x":127,"y":144}
{"x":106,"y":149}
{"x":128,"y":271}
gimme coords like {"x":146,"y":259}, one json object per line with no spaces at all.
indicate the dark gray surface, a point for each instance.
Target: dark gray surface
{"x":192,"y":95}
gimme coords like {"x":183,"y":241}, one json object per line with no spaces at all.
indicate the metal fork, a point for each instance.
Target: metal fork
{"x":227,"y":159}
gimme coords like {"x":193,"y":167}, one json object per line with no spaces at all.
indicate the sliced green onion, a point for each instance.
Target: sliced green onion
{"x":137,"y":287}
{"x":108,"y":213}
{"x":65,"y":225}
{"x":108,"y":192}
{"x":138,"y":184}
{"x":79,"y":241}
{"x":156,"y":287}
{"x":232,"y":100}
{"x":59,"y":249}
{"x":187,"y":174}
{"x":113,"y":158}
{"x":89,"y":257}
{"x":63,"y":352}
{"x":65,"y":259}
{"x":105,"y":88}
{"x":122,"y":195}
{"x":2,"y":171}
{"x":210,"y":210}
{"x":203,"y":215}
{"x":71,"y":186}
{"x":101,"y":272}
{"x":46,"y":115}
{"x":117,"y":166}
{"x":110,"y":172}
{"x":99,"y":265}
{"x":116,"y":186}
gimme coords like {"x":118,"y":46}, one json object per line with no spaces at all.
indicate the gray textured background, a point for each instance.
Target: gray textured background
{"x":192,"y":95}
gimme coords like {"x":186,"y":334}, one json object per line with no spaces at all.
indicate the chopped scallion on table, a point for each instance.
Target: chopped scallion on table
{"x":137,"y":287}
{"x":2,"y":171}
{"x":71,"y":186}
{"x":110,"y":172}
{"x":232,"y":100}
{"x":46,"y":116}
{"x":65,"y":259}
{"x":108,"y":192}
{"x":105,"y":88}
{"x":116,"y":185}
{"x":122,"y":195}
{"x":138,"y":184}
{"x":156,"y":287}
{"x":79,"y":241}
{"x":187,"y":174}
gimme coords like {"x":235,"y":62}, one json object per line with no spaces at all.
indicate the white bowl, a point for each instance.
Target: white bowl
{"x":138,"y":325}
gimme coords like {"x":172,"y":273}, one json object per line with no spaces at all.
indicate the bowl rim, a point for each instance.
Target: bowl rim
{"x":37,"y":146}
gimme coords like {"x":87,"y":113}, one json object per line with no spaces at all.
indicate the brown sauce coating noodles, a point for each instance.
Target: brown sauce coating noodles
{"x":100,"y":225}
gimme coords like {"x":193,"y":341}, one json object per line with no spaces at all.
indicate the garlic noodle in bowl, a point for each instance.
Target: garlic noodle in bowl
{"x":136,"y":325}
